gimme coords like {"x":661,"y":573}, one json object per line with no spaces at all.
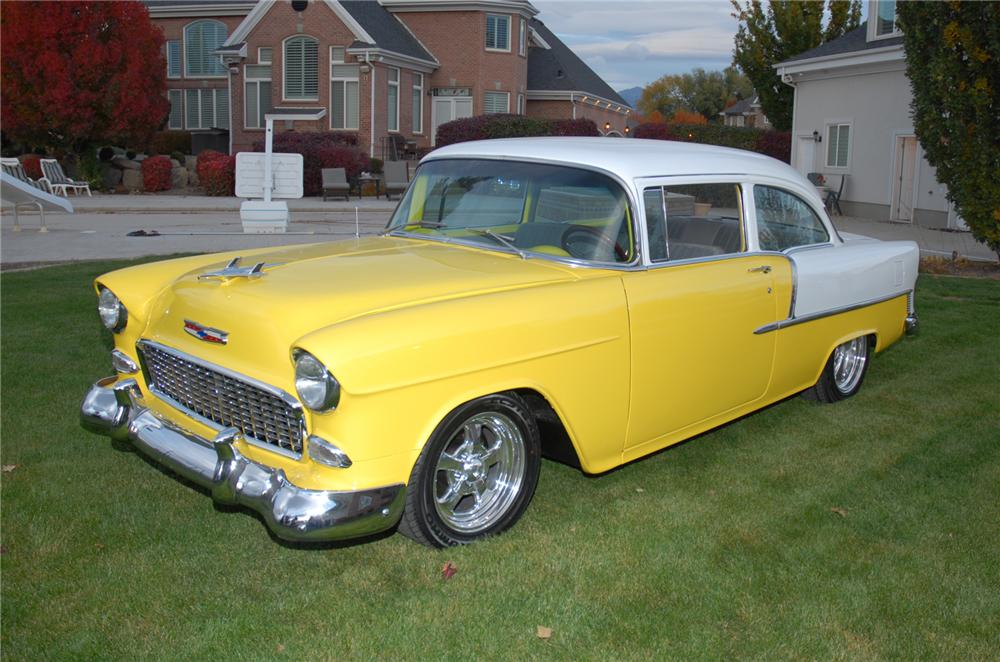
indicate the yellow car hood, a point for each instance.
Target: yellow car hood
{"x":306,"y":288}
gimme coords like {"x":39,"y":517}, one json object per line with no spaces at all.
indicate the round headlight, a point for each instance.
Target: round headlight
{"x":113,"y":313}
{"x":316,"y":387}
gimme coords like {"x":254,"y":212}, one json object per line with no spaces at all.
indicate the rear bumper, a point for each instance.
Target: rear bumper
{"x":291,"y":512}
{"x":911,"y":325}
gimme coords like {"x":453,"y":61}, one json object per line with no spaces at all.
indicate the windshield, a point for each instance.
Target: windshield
{"x":528,"y":208}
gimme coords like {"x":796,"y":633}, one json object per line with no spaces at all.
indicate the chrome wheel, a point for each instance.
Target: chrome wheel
{"x":479,"y":473}
{"x":849,"y":360}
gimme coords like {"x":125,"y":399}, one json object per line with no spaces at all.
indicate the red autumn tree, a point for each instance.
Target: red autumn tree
{"x":81,"y":73}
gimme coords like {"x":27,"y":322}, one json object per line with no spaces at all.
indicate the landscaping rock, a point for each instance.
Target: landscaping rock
{"x":124,"y":163}
{"x":178,"y":177}
{"x":132,"y":179}
{"x":175,"y":163}
{"x":192,"y":177}
{"x":111,"y":176}
{"x":190,"y":162}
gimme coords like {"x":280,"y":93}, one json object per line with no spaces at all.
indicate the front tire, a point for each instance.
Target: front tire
{"x":844,"y":371}
{"x":476,"y":475}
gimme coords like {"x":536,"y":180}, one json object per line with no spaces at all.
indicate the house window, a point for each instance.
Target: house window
{"x":418,"y":103}
{"x":393,"y":99}
{"x":497,"y":32}
{"x":174,"y":58}
{"x":838,"y":141}
{"x":201,"y":38}
{"x":176,"y":98}
{"x":264,"y":55}
{"x":522,"y":38}
{"x":301,"y":69}
{"x":257,"y":99}
{"x":496,"y":102}
{"x":207,"y":108}
{"x":344,"y":101}
{"x":520,"y":104}
{"x":885,"y":21}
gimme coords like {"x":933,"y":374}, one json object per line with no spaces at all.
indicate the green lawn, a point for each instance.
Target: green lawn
{"x":866,"y":529}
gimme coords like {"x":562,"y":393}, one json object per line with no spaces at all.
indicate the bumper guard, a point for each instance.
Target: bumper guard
{"x":291,"y":512}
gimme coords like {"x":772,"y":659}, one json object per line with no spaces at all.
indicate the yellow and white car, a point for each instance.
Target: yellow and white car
{"x":589,"y":299}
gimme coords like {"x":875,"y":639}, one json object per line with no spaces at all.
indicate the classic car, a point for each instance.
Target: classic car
{"x":588,"y":299}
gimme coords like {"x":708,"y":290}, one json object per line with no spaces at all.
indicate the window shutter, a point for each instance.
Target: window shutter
{"x":265,"y":101}
{"x":345,"y":71}
{"x":337,"y":54}
{"x":352,"y":105}
{"x":251,"y":105}
{"x":173,"y":59}
{"x":301,"y":68}
{"x":207,"y":109}
{"x":259,"y":71}
{"x":222,"y":108}
{"x":495,"y":102}
{"x":491,"y":31}
{"x":191,"y":107}
{"x":337,"y":95}
{"x":264,"y":56}
{"x":503,"y":32}
{"x":201,"y":38}
{"x":176,"y":109}
{"x":293,"y":69}
{"x":842,"y":143}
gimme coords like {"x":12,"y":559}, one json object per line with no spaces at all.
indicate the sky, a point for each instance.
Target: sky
{"x":633,"y":43}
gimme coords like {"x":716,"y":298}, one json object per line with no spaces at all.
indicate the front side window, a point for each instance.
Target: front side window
{"x":301,"y":69}
{"x":693,"y":220}
{"x":344,"y":98}
{"x":540,"y":210}
{"x":785,"y":221}
{"x":497,"y":32}
{"x":885,"y":22}
{"x":258,"y":95}
{"x":838,"y":142}
{"x":201,"y":38}
{"x":393,"y":99}
{"x":496,"y":102}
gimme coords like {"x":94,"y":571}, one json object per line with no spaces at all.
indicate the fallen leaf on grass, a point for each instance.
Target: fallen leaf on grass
{"x":98,"y":545}
{"x":7,"y":468}
{"x":280,"y":648}
{"x":3,"y":549}
{"x":544,"y":632}
{"x":448,"y":570}
{"x":839,"y":511}
{"x":639,"y":489}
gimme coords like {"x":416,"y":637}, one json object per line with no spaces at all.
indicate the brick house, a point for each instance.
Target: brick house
{"x":379,"y":68}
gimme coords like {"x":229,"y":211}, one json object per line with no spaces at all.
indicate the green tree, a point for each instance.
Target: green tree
{"x":953,"y":63}
{"x":704,"y":92}
{"x":785,"y":28}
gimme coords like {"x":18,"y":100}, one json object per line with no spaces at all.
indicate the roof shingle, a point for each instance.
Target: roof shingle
{"x":559,"y":68}
{"x":854,"y":41}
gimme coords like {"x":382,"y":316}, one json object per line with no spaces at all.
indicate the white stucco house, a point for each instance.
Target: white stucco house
{"x":852,"y":118}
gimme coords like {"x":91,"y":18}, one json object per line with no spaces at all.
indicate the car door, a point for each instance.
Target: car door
{"x":693,"y":310}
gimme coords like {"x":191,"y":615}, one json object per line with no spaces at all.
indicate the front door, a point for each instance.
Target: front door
{"x":903,"y":184}
{"x":446,"y":109}
{"x":805,"y":155}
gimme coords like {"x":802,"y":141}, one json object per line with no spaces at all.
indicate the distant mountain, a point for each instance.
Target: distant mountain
{"x":631,"y":95}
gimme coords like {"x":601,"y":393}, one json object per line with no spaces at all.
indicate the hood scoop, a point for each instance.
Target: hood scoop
{"x":234,"y":270}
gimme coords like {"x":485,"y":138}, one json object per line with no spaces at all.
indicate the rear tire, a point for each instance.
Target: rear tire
{"x":476,"y":475}
{"x":844,"y":371}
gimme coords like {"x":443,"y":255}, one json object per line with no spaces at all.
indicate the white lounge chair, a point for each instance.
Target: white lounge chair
{"x":13,"y":167}
{"x":58,"y":180}
{"x":17,"y":194}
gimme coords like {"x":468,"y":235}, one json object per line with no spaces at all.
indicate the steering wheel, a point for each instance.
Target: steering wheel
{"x":592,"y":235}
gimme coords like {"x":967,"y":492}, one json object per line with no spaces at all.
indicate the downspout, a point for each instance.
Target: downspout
{"x":232,"y":126}
{"x":371,"y":116}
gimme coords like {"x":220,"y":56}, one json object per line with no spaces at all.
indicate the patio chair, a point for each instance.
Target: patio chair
{"x":815,"y":178}
{"x":335,"y":183}
{"x":833,"y":198}
{"x":57,"y":179}
{"x":14,"y":168}
{"x":396,"y":177}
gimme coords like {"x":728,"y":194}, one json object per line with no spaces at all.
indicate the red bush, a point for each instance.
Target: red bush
{"x":156,"y":173}
{"x":654,"y":131}
{"x":776,"y":144}
{"x":578,"y":127}
{"x":321,"y":149}
{"x":486,"y":127}
{"x":216,"y":173}
{"x":32,"y":164}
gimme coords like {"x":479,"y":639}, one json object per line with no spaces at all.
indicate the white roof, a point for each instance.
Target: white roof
{"x":629,"y":158}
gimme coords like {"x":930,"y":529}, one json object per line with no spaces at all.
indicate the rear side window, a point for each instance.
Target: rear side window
{"x":785,"y":221}
{"x":693,"y":220}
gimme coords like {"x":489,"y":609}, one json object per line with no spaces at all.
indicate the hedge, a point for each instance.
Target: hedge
{"x":167,"y":142}
{"x":486,"y":127}
{"x":156,"y":173}
{"x":321,"y":149}
{"x":776,"y":144}
{"x":216,"y":173}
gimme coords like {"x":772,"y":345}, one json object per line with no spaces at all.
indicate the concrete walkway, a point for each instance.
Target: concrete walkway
{"x":199,"y":224}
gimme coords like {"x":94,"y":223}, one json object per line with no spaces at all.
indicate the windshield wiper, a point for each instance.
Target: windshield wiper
{"x":502,"y":240}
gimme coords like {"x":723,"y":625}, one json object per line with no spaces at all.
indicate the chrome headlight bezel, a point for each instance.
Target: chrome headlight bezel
{"x":316,"y":387}
{"x":111,"y":310}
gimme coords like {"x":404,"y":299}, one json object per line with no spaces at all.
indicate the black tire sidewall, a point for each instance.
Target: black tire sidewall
{"x":829,"y":384}
{"x":423,"y":476}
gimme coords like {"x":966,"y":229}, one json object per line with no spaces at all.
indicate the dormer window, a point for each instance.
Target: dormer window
{"x":885,"y":18}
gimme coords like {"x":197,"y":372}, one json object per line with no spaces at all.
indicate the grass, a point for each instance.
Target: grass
{"x":867,"y":529}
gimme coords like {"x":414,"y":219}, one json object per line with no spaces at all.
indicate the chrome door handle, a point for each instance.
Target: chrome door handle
{"x":764,"y":268}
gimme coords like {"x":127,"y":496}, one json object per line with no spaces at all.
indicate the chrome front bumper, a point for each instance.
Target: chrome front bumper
{"x":291,"y":512}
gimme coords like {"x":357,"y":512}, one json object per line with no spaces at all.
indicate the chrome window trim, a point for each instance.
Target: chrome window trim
{"x":807,"y":247}
{"x":256,"y":383}
{"x":792,"y":321}
{"x":638,"y":238}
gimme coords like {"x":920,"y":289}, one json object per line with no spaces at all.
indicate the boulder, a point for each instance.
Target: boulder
{"x":192,"y":177}
{"x":190,"y":162}
{"x":174,"y":163}
{"x":132,"y":180}
{"x":178,"y":177}
{"x":111,"y":176}
{"x":125,"y":164}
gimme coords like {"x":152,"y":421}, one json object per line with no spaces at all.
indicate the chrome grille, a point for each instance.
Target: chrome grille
{"x":216,"y":396}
